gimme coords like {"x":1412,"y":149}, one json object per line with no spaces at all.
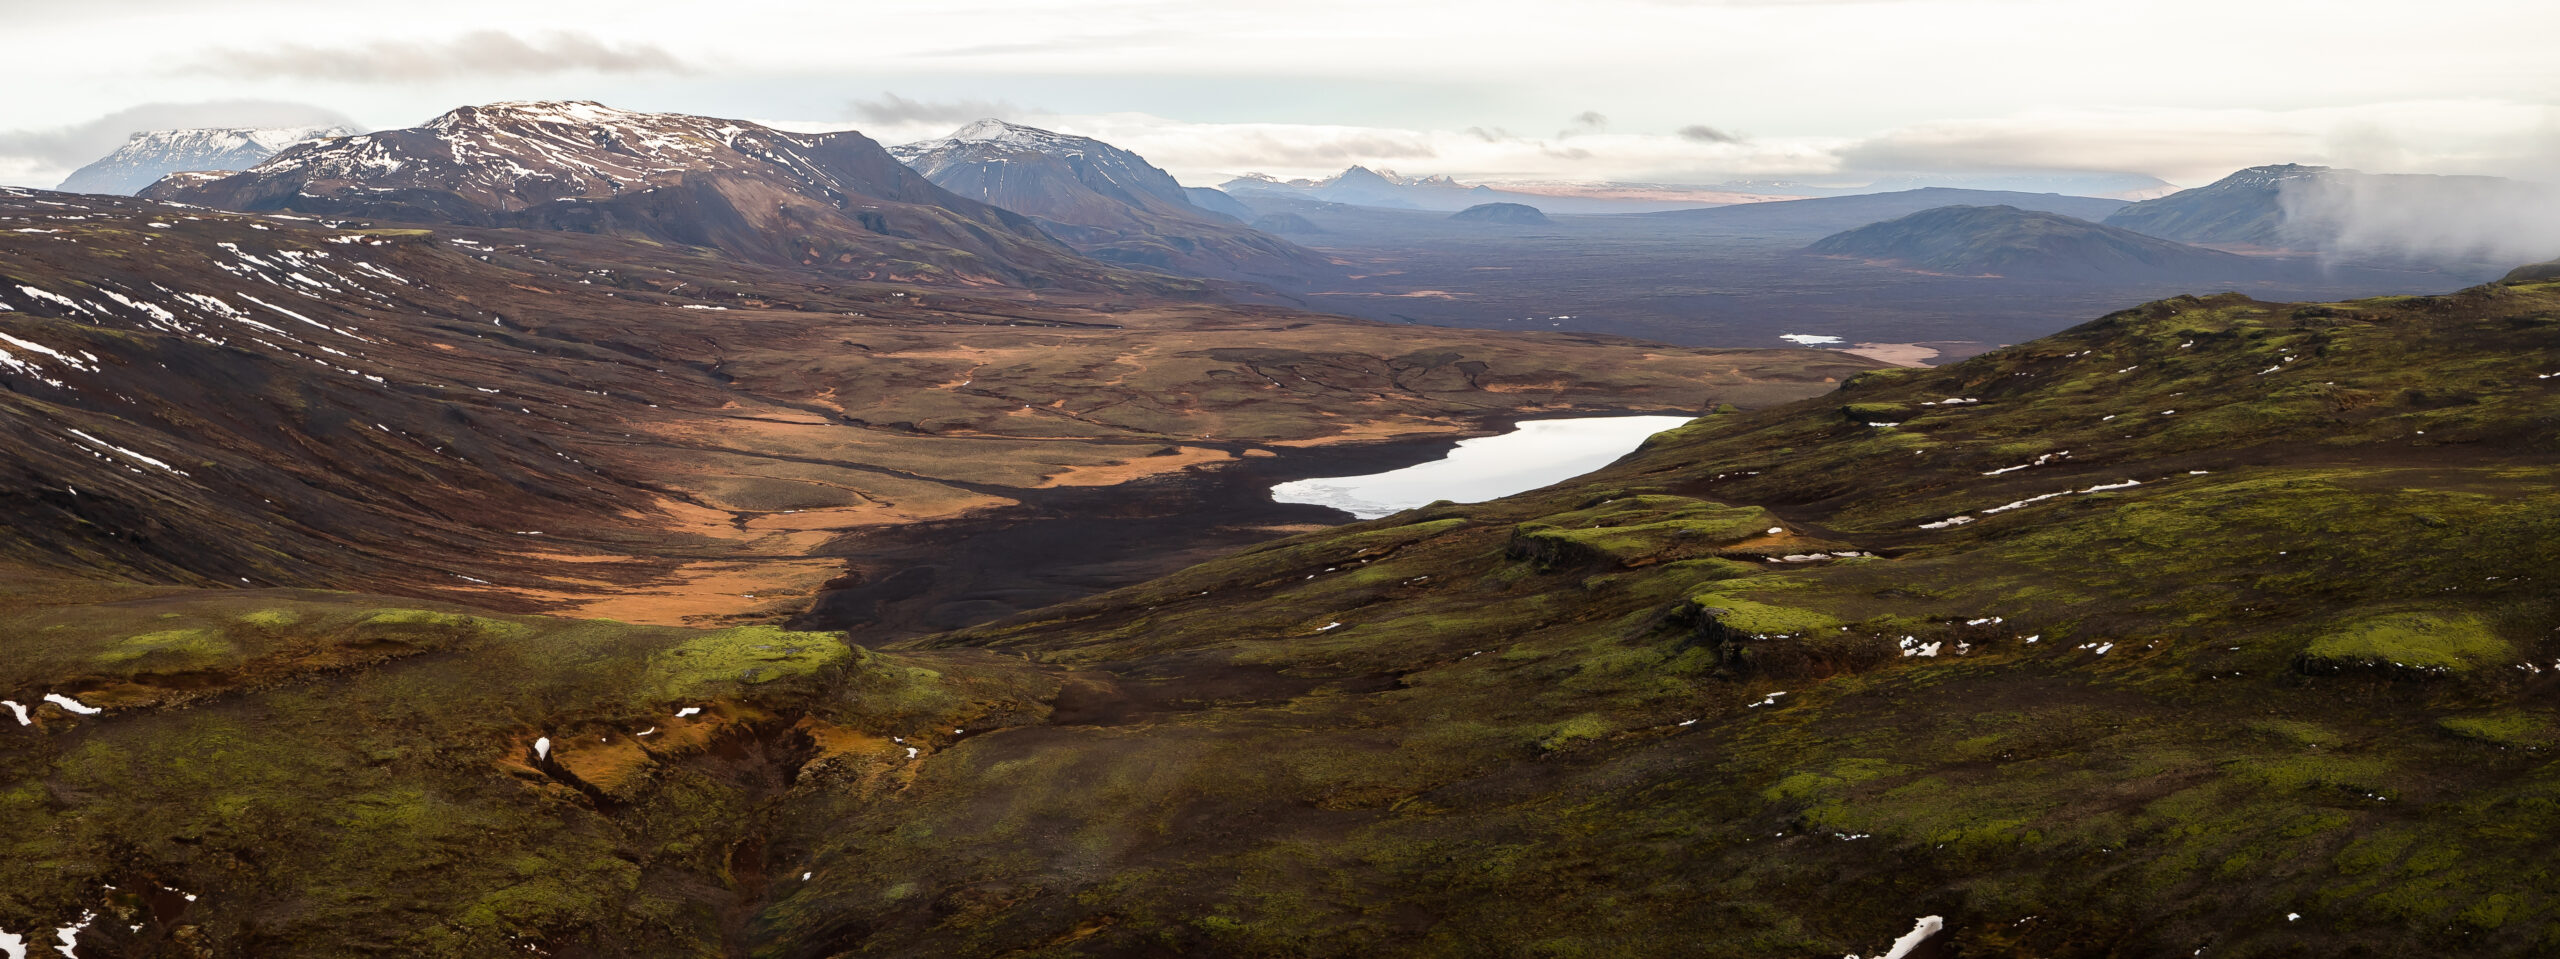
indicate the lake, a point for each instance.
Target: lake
{"x":1534,"y":454}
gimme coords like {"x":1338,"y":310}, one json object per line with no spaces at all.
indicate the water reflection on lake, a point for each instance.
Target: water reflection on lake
{"x":1534,"y":454}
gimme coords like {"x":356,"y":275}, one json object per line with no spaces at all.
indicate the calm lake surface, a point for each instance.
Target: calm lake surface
{"x":1535,"y":453}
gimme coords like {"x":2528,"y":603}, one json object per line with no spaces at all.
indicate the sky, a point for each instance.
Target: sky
{"x":1658,"y":91}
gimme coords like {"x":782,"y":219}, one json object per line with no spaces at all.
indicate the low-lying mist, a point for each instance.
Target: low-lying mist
{"x":2429,"y":220}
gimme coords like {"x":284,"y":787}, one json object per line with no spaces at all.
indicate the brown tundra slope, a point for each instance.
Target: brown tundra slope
{"x":538,"y":420}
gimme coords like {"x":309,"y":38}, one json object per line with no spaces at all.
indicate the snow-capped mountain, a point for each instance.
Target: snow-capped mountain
{"x":1105,"y":201}
{"x":831,"y":200}
{"x":153,"y":154}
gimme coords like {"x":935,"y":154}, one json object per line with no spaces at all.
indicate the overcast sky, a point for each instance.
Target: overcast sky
{"x":1688,"y":91}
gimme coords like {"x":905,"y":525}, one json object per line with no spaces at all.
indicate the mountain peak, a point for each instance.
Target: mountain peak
{"x":563,"y":112}
{"x":1103,"y":200}
{"x":994,"y":132}
{"x":2273,"y":173}
{"x":151,"y":154}
{"x":991,"y":128}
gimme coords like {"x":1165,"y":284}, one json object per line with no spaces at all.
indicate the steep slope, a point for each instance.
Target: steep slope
{"x":1514,"y":214}
{"x":1106,"y":202}
{"x":833,"y":201}
{"x":2007,"y":241}
{"x":153,"y":154}
{"x":1812,"y":219}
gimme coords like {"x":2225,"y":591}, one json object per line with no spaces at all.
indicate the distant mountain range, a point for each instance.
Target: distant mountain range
{"x":2113,"y":186}
{"x":834,"y":201}
{"x":1361,"y":186}
{"x":1104,"y":201}
{"x":2029,"y":244}
{"x":153,"y":154}
{"x":1818,"y":217}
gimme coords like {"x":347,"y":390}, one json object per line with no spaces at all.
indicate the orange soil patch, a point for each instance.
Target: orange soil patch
{"x":1425,"y":294}
{"x":1898,"y":354}
{"x":1140,"y":467}
{"x":703,"y":593}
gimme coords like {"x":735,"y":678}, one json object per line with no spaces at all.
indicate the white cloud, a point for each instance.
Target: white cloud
{"x":2194,"y":146}
{"x":478,"y":53}
{"x":1845,"y":88}
{"x":2188,"y":147}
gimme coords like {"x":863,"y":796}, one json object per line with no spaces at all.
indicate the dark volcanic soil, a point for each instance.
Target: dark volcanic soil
{"x":1070,"y":542}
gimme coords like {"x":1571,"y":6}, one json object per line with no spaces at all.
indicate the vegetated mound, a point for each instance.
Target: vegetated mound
{"x":1518,"y":214}
{"x":832,"y":201}
{"x":1286,"y":223}
{"x":147,"y":156}
{"x":2007,"y":241}
{"x":2534,"y":273}
{"x":1105,"y":201}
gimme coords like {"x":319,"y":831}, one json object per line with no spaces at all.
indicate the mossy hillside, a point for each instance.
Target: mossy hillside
{"x":1638,"y":530}
{"x":2153,"y":767}
{"x":728,"y":660}
{"x":2455,"y":644}
{"x":337,"y":768}
{"x":139,"y":646}
{"x":2510,"y":728}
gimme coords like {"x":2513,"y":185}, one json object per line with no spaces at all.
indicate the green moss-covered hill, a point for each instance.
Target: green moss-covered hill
{"x":2137,"y":640}
{"x":2210,"y":625}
